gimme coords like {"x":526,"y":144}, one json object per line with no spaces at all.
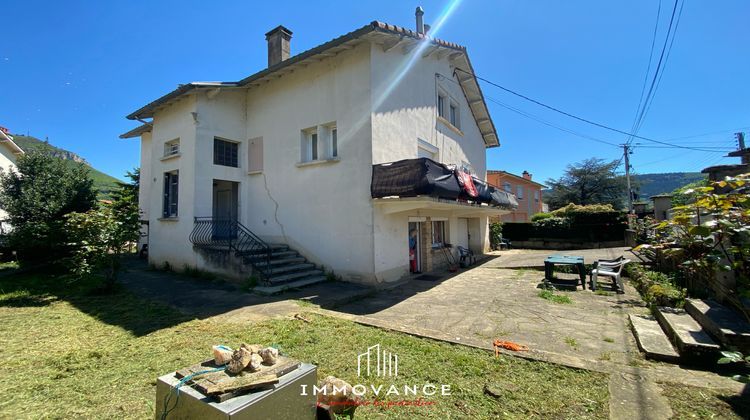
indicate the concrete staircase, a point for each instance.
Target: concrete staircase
{"x":694,"y":335}
{"x":285,"y":269}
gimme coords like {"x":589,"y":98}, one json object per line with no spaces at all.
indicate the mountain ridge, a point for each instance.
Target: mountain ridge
{"x":103,"y":183}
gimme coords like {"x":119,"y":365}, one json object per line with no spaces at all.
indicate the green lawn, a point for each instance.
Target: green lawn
{"x":71,"y":353}
{"x":689,"y":402}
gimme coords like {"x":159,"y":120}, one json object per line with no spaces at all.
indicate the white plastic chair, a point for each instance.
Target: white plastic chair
{"x":609,"y":268}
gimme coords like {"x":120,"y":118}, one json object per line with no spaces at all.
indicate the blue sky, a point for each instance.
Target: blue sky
{"x":72,"y":70}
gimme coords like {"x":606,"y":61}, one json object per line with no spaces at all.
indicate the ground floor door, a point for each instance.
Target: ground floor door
{"x":462,"y":230}
{"x":225,"y":208}
{"x":415,"y":259}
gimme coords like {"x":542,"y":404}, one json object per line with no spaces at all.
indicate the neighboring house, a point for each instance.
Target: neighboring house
{"x":9,"y":152}
{"x":528,"y":193}
{"x":278,"y":165}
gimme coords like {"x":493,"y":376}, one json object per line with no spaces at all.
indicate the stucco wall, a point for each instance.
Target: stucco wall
{"x":168,"y":238}
{"x":404,"y":112}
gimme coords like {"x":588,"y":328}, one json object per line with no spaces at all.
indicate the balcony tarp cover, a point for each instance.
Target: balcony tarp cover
{"x":425,"y":177}
{"x":414,"y":177}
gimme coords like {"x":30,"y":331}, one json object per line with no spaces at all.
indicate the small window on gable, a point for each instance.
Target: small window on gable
{"x":507,"y":187}
{"x":519,"y":192}
{"x":172,"y":147}
{"x":255,"y":155}
{"x":226,"y":153}
{"x":455,"y":118}
{"x":536,"y":195}
{"x":441,"y":102}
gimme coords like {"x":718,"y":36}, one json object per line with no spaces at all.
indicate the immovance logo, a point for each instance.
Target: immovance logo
{"x":381,"y":362}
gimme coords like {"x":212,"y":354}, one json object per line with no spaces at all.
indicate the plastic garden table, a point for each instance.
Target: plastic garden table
{"x":553,"y":260}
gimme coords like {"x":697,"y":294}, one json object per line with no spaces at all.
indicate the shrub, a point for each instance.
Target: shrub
{"x":552,"y":222}
{"x":496,"y":233}
{"x":541,"y":216}
{"x":37,"y":195}
{"x":656,"y":288}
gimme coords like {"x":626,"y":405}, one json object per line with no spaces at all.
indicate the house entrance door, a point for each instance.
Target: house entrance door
{"x":225,"y":208}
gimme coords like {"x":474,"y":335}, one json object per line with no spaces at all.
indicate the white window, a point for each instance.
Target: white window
{"x":334,"y":142}
{"x":438,"y":234}
{"x":507,"y":187}
{"x":171,"y":188}
{"x":536,"y":195}
{"x":172,"y":147}
{"x":441,"y":101}
{"x":427,"y":150}
{"x":309,"y":145}
{"x":519,"y":192}
{"x":320,"y":143}
{"x":454,"y":115}
{"x":255,"y":155}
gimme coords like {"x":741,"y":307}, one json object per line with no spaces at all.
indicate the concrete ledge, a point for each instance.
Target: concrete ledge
{"x":721,"y":322}
{"x":687,"y":335}
{"x":651,"y":339}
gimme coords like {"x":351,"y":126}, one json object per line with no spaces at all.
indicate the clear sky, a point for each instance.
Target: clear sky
{"x":72,"y":70}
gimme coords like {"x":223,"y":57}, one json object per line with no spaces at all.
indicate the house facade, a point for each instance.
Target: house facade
{"x":288,"y":153}
{"x":527,"y":192}
{"x":9,"y":153}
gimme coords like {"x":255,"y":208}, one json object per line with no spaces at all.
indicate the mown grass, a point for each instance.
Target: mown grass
{"x":70,"y":353}
{"x":553,"y":297}
{"x":689,"y":402}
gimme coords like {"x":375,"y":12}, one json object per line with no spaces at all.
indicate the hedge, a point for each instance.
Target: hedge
{"x":601,"y":232}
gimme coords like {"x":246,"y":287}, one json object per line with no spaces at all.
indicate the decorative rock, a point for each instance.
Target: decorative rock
{"x":222,"y":355}
{"x":269,"y":355}
{"x":336,"y":400}
{"x":255,"y":361}
{"x":240,"y":359}
{"x":252,"y":348}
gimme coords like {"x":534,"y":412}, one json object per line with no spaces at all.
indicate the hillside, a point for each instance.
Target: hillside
{"x":649,"y":185}
{"x":102,"y":182}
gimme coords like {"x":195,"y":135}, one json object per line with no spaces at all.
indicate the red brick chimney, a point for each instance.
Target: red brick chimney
{"x":526,"y":175}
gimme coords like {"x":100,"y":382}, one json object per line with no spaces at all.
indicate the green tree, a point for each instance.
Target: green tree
{"x":37,"y":194}
{"x":101,"y":236}
{"x":593,"y":181}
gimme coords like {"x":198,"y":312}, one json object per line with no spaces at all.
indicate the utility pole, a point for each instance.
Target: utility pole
{"x":626,"y":154}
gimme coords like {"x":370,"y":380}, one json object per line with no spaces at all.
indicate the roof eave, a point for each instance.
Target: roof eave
{"x":6,"y":139}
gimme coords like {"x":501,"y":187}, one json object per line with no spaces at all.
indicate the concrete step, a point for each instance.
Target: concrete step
{"x":687,"y":335}
{"x":291,"y":268}
{"x":271,"y":290}
{"x":651,"y":339}
{"x":275,"y":262}
{"x":274,"y":255}
{"x":298,"y":275}
{"x":727,"y":326}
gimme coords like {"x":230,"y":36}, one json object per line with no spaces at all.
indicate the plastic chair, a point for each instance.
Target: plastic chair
{"x":609,"y":268}
{"x":464,"y":255}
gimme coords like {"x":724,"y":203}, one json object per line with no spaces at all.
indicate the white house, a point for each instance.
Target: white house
{"x":9,"y":152}
{"x":288,"y":154}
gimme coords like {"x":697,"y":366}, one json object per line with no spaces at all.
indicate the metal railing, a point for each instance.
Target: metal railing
{"x":231,"y":235}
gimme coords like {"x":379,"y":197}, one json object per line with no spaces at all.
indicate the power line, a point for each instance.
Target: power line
{"x":648,"y":70}
{"x":547,"y":123}
{"x":574,"y":116}
{"x":669,"y":51}
{"x":651,"y":91}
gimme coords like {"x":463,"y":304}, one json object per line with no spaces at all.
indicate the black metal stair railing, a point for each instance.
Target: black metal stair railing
{"x":231,"y":235}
